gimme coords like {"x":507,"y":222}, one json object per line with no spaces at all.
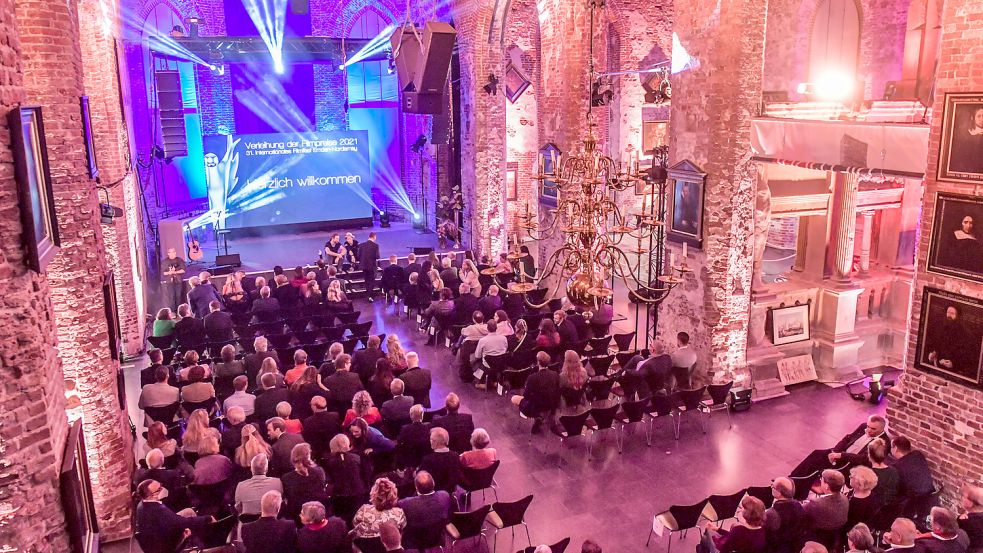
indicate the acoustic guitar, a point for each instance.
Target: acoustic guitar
{"x":194,"y":248}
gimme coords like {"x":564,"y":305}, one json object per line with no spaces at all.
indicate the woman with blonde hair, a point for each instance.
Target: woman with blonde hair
{"x":395,"y":353}
{"x":335,"y":298}
{"x":863,"y":503}
{"x":252,"y":445}
{"x":381,"y":508}
{"x":469,"y":275}
{"x":362,"y":408}
{"x":269,"y":367}
{"x":573,"y":378}
{"x":195,"y":431}
{"x":232,"y":290}
{"x":435,"y":280}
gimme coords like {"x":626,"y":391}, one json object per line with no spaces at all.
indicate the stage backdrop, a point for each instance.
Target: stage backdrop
{"x":257,"y":180}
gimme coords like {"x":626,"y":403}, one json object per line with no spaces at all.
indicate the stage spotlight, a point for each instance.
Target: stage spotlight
{"x":492,"y":87}
{"x":417,"y":146}
{"x":384,"y":219}
{"x":278,"y":66}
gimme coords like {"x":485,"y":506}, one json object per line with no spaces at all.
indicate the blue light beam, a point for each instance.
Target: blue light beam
{"x":270,"y":18}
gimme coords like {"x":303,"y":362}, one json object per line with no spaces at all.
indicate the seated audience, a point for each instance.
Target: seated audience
{"x":305,"y":483}
{"x":269,"y":534}
{"x":265,"y":306}
{"x":343,"y":383}
{"x":459,"y":426}
{"x":851,"y":449}
{"x":364,"y":360}
{"x":491,"y":344}
{"x":321,"y":426}
{"x":395,"y":353}
{"x":269,"y":366}
{"x":249,"y":493}
{"x":541,"y":395}
{"x":218,"y":323}
{"x":305,"y":388}
{"x":344,"y":469}
{"x":396,"y":412}
{"x":443,"y":464}
{"x":864,"y":504}
{"x":160,"y":393}
{"x":235,"y":420}
{"x":491,"y":303}
{"x":157,"y":438}
{"x":573,"y":379}
{"x":442,"y":308}
{"x":901,"y":538}
{"x":413,"y":440}
{"x":859,"y":539}
{"x":335,"y":299}
{"x":381,"y":508}
{"x":393,"y":277}
{"x":240,"y":397}
{"x":188,"y":329}
{"x":428,"y":509}
{"x":945,"y":535}
{"x":283,"y":411}
{"x":196,"y":430}
{"x":830,"y":510}
{"x":149,"y":374}
{"x":915,"y":476}
{"x":253,"y":361}
{"x":283,"y":445}
{"x":565,"y":327}
{"x":465,"y":305}
{"x":785,"y":521}
{"x":503,"y":324}
{"x":321,"y":534}
{"x":163,"y":324}
{"x":270,"y":396}
{"x":299,"y":368}
{"x":814,"y":547}
{"x":971,"y":521}
{"x":747,"y":535}
{"x":172,"y":479}
{"x":521,"y":338}
{"x":888,"y":480}
{"x":481,"y":456}
{"x":229,"y":367}
{"x":162,"y":529}
{"x":548,"y":335}
{"x":199,"y":390}
{"x":417,"y":380}
{"x":362,"y":407}
{"x":380,"y":384}
{"x":252,"y":445}
{"x":211,"y":466}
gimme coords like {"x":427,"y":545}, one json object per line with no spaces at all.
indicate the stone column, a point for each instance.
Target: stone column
{"x":865,"y":240}
{"x":843,"y":209}
{"x":801,"y":245}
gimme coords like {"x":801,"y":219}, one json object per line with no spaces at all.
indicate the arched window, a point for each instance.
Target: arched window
{"x":835,"y":42}
{"x":370,"y":81}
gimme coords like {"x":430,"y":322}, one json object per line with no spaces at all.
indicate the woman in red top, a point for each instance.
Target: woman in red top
{"x":481,"y":456}
{"x":548,"y":336}
{"x":362,"y":408}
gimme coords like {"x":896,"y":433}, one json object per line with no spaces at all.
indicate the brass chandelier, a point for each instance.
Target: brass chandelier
{"x":600,"y":242}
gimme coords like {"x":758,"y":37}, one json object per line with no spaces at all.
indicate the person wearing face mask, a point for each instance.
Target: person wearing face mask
{"x":161,"y":530}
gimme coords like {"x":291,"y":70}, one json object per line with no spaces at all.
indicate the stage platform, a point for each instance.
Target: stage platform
{"x":262,"y":253}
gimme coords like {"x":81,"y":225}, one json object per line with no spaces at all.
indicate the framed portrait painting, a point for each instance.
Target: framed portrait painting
{"x":789,"y":324}
{"x":961,"y":146}
{"x":684,"y":220}
{"x":956,"y":248}
{"x":548,"y":155}
{"x":34,"y":189}
{"x":516,"y":83}
{"x":950,"y":337}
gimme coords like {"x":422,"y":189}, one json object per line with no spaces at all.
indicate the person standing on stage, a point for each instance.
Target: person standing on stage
{"x":334,"y":250}
{"x":368,"y":260}
{"x":173,"y":269}
{"x":351,"y":249}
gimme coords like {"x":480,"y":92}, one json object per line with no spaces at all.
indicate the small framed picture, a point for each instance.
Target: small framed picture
{"x":37,"y":199}
{"x":512,"y":180}
{"x":956,"y":248}
{"x":685,"y":217}
{"x":789,"y":324}
{"x":950,"y":337}
{"x":548,"y":155}
{"x":961,"y":146}
{"x":516,"y":83}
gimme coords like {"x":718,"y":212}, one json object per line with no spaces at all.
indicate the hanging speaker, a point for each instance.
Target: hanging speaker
{"x":440,"y":131}
{"x":170,"y":106}
{"x":408,"y":56}
{"x":438,"y":47}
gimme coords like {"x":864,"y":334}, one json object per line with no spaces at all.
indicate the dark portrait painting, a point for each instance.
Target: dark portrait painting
{"x":957,"y":237}
{"x":950,"y":336}
{"x":961,"y":147}
{"x":685,"y":203}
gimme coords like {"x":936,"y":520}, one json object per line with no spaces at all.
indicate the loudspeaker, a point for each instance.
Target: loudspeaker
{"x":440,"y":132}
{"x":170,"y":104}
{"x":408,"y":55}
{"x":300,"y":7}
{"x":231,"y":259}
{"x":438,"y":47}
{"x":415,"y":102}
{"x":422,"y":251}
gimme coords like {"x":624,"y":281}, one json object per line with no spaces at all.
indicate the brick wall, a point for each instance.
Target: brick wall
{"x":33,"y":426}
{"x":52,"y":66}
{"x":942,"y":418}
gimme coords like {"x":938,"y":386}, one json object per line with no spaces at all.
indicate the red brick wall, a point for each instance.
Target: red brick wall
{"x":32,"y":398}
{"x":940,"y":417}
{"x":52,"y":66}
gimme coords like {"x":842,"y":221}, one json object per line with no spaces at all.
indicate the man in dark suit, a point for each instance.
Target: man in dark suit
{"x":252,"y":362}
{"x":283,"y":443}
{"x":564,"y":326}
{"x":914,"y":475}
{"x":459,"y":426}
{"x":785,"y":521}
{"x":829,"y":510}
{"x":413,"y":440}
{"x":851,"y":449}
{"x":368,"y":261}
{"x":269,"y":534}
{"x":171,"y":479}
{"x":946,"y":537}
{"x":465,"y":305}
{"x":443,"y":464}
{"x":428,"y":510}
{"x":218,"y":323}
{"x":265,"y":305}
{"x":321,"y":426}
{"x":266,"y":402}
{"x":396,"y":411}
{"x":412,"y":266}
{"x":364,"y":360}
{"x":541,"y":395}
{"x":202,"y":293}
{"x":285,"y":293}
{"x":343,"y":384}
{"x":491,"y":303}
{"x":416,"y":380}
{"x":393,"y":278}
{"x":188,"y":329}
{"x":161,"y":529}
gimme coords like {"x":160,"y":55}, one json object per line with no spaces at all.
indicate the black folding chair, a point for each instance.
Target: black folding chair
{"x":572,"y":426}
{"x":718,"y":400}
{"x":163,"y":414}
{"x":473,"y":480}
{"x":623,"y":341}
{"x":722,"y":507}
{"x":467,"y":525}
{"x":679,"y":518}
{"x":509,"y":515}
{"x":604,"y":419}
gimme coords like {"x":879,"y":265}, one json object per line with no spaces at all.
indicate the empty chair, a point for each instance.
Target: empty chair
{"x":509,"y":515}
{"x":679,"y":518}
{"x":688,"y":401}
{"x":298,"y":324}
{"x":307,"y":337}
{"x":623,"y":341}
{"x":332,"y":333}
{"x":473,"y":480}
{"x":514,"y":379}
{"x":350,"y":344}
{"x":599,"y":389}
{"x":359,"y":330}
{"x":718,"y":400}
{"x":423,"y":538}
{"x":558,"y":547}
{"x":722,"y":507}
{"x":163,"y":414}
{"x":601,"y":364}
{"x":633,"y":412}
{"x":803,"y":485}
{"x":599,"y":346}
{"x":280,"y":341}
{"x":216,"y":534}
{"x":661,"y":407}
{"x":468,"y":525}
{"x":349,"y":318}
{"x":604,"y":419}
{"x":572,"y":426}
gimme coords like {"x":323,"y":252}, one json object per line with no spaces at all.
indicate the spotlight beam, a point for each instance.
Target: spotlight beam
{"x":378,"y":44}
{"x":270,"y":19}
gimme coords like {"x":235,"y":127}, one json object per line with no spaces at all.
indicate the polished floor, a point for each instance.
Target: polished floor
{"x":612,"y":497}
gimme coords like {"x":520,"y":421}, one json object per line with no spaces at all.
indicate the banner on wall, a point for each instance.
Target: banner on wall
{"x":257,"y":180}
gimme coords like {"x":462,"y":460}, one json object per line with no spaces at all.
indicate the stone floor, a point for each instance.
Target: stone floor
{"x":612,"y":497}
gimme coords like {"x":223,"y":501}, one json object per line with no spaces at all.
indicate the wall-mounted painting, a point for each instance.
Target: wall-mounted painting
{"x":685,"y":217}
{"x":961,"y":147}
{"x":37,"y":199}
{"x":950,"y":337}
{"x":789,"y":324}
{"x":956,"y":248}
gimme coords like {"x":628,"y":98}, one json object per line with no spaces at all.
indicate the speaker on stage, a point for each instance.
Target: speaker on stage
{"x":422,"y":251}
{"x":438,"y":47}
{"x":171,"y":108}
{"x":231,"y":260}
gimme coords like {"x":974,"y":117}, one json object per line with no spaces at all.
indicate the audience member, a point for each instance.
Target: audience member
{"x":851,"y":449}
{"x":269,"y":366}
{"x":416,"y":380}
{"x":548,"y":336}
{"x":395,"y":353}
{"x":971,"y":521}
{"x":565,"y":327}
{"x":381,"y":508}
{"x":321,"y":426}
{"x":266,"y":305}
{"x":521,"y":338}
{"x":859,"y":539}
{"x":218,"y":323}
{"x":160,"y":393}
{"x":459,"y":426}
{"x":915,"y":476}
{"x":481,"y":456}
{"x":541,"y":395}
{"x":945,"y":535}
{"x":901,"y":538}
{"x":366,"y":439}
{"x":492,"y":344}
{"x":344,"y":470}
{"x":427,"y":510}
{"x":305,"y":483}
{"x":379,"y":384}
{"x":235,"y":420}
{"x":157,"y":438}
{"x":304,"y":389}
{"x":343,"y":383}
{"x":249,"y":493}
{"x":785,"y":521}
{"x":283,"y":445}
{"x":211,"y":466}
{"x":321,"y":534}
{"x":396,"y":412}
{"x":465,"y":305}
{"x":490,"y":303}
{"x":864,"y":504}
{"x":814,"y":547}
{"x":364,"y":360}
{"x":202,"y":294}
{"x":252,"y":444}
{"x":443,"y":464}
{"x":240,"y":397}
{"x":199,"y":390}
{"x":188,"y":329}
{"x":390,"y":537}
{"x":362,"y":407}
{"x":270,"y":396}
{"x":393,"y":277}
{"x":171,"y":479}
{"x":195,"y":431}
{"x":269,"y":534}
{"x":413,"y":440}
{"x":148,"y":375}
{"x":163,"y":323}
{"x":747,"y":535}
{"x":573,"y":379}
{"x":163,"y":529}
{"x":283,"y":411}
{"x":888,"y":480}
{"x":299,"y":368}
{"x":830,"y":510}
